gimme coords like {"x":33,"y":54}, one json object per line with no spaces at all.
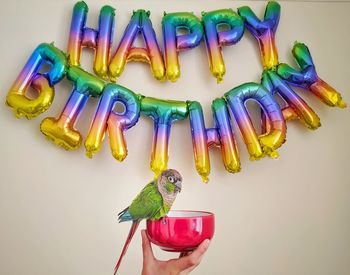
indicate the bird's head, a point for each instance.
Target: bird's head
{"x":170,"y":182}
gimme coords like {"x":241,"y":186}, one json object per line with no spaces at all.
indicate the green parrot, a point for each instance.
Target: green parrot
{"x":153,"y":202}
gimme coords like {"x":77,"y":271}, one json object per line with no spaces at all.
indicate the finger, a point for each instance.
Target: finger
{"x":194,"y":258}
{"x":199,"y":252}
{"x":146,"y":246}
{"x":183,"y":254}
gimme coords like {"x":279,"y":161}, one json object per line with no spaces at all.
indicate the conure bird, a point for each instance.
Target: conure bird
{"x":153,"y":202}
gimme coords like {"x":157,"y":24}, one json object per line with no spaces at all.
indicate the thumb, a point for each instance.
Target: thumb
{"x":193,"y":259}
{"x":146,"y":247}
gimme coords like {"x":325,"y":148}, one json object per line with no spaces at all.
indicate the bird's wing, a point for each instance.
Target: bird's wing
{"x":147,"y":203}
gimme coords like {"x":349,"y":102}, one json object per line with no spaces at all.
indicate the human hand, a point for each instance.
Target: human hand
{"x":181,"y":266}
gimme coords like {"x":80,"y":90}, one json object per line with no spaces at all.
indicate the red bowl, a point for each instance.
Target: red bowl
{"x":181,"y":230}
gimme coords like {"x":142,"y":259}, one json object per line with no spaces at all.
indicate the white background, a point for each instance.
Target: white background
{"x":58,"y":209}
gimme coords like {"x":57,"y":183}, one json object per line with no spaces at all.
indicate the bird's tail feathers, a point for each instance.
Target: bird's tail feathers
{"x":124,"y":215}
{"x":132,"y":231}
{"x":122,"y":212}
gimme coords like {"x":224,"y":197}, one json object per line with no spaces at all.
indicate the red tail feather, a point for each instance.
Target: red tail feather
{"x":132,"y":231}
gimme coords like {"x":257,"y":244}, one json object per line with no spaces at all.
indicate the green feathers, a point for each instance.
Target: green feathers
{"x":147,"y":204}
{"x":155,"y":199}
{"x":170,"y":188}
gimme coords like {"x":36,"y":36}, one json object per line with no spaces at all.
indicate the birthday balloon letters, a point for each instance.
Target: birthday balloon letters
{"x":277,"y":78}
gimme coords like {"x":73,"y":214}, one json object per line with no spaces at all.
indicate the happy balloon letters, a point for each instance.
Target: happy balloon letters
{"x":277,"y":79}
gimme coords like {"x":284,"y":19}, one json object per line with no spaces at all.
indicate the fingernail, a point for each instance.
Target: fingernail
{"x":207,"y":242}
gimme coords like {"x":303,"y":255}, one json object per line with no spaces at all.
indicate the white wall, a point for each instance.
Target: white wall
{"x":287,"y":216}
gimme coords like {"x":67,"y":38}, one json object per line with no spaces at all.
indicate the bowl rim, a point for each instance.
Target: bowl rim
{"x":196,"y":214}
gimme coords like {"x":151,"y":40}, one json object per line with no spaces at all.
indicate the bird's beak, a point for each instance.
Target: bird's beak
{"x":178,"y":186}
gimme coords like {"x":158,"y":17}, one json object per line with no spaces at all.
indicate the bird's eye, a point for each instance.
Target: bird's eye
{"x":171,"y":179}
